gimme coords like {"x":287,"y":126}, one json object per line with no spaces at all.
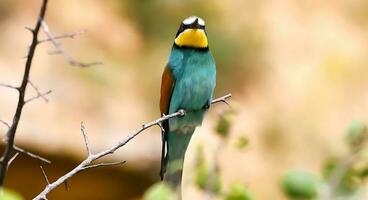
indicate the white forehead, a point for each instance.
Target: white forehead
{"x":191,"y":19}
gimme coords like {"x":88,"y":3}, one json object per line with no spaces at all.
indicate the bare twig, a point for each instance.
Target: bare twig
{"x":12,"y":159}
{"x":45,"y":175}
{"x":222,"y":99}
{"x":16,"y":148}
{"x":68,"y":35}
{"x":66,"y":185}
{"x":104,"y":164}
{"x":29,"y":29}
{"x":59,"y":49}
{"x":22,"y":90}
{"x":38,"y":91}
{"x":9,"y":86}
{"x":39,"y":95}
{"x":20,"y":150}
{"x":9,"y":139}
{"x":87,"y":163}
{"x":83,"y":129}
{"x":5,"y":123}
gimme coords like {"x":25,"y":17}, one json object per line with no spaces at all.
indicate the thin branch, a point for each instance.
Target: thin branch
{"x":5,"y":123}
{"x":29,"y":29}
{"x":222,"y":99}
{"x":66,"y":185}
{"x":9,"y":86}
{"x":22,"y":90}
{"x":45,"y":175}
{"x":104,"y":164}
{"x":87,"y":163}
{"x":16,"y":148}
{"x":161,"y":127}
{"x":68,"y":35}
{"x":12,"y":159}
{"x":86,"y":142}
{"x":60,"y":49}
{"x":38,"y":91}
{"x":39,"y":95}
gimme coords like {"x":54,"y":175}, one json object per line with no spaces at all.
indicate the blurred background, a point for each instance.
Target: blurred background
{"x":297,"y":71}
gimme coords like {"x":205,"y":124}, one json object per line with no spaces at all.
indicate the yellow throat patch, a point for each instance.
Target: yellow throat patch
{"x":192,"y":38}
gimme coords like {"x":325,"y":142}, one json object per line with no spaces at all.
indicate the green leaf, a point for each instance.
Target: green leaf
{"x":357,"y":135}
{"x":241,"y":142}
{"x":328,"y":167}
{"x":364,"y":173}
{"x":238,"y":192}
{"x":300,"y":184}
{"x":8,"y":194}
{"x":202,"y":176}
{"x":160,"y":191}
{"x":224,"y":123}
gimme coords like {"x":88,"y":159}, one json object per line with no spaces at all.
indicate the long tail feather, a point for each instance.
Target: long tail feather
{"x":177,"y":144}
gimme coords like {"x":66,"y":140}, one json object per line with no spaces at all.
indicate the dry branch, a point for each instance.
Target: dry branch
{"x":39,"y":93}
{"x":32,"y":155}
{"x":59,"y":49}
{"x":12,"y":159}
{"x":9,"y":86}
{"x":12,"y":128}
{"x":45,"y":175}
{"x":68,"y":35}
{"x":87,"y":163}
{"x":5,"y":123}
{"x":84,"y":132}
{"x":9,"y":141}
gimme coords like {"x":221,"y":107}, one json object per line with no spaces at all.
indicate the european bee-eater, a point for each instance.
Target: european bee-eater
{"x":188,"y":82}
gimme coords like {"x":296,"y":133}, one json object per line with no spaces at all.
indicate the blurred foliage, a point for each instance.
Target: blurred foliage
{"x":208,"y":177}
{"x":205,"y":179}
{"x":328,"y":167}
{"x":342,"y":178}
{"x":300,"y":185}
{"x":223,"y":129}
{"x":160,"y":191}
{"x":224,"y":122}
{"x":350,"y":182}
{"x":355,"y":173}
{"x":238,"y":192}
{"x":242,"y":142}
{"x":357,"y":135}
{"x":7,"y":194}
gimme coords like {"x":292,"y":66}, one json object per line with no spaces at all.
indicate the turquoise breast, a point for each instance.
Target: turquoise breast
{"x":195,"y":79}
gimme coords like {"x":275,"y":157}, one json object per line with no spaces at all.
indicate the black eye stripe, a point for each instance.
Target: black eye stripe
{"x":185,"y":26}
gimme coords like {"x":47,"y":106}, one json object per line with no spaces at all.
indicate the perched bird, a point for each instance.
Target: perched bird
{"x":188,"y":82}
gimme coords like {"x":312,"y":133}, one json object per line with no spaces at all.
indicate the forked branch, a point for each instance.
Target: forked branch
{"x":88,"y":162}
{"x":59,"y":49}
{"x":9,"y":140}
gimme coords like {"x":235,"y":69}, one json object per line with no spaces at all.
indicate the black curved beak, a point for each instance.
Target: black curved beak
{"x":195,"y":24}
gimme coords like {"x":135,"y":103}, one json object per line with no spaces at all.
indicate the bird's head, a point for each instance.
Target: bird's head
{"x":192,"y":33}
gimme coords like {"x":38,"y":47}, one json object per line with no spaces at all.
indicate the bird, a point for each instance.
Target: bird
{"x":188,"y":82}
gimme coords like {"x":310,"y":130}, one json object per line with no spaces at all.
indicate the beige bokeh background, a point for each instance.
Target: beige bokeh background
{"x":297,"y":71}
